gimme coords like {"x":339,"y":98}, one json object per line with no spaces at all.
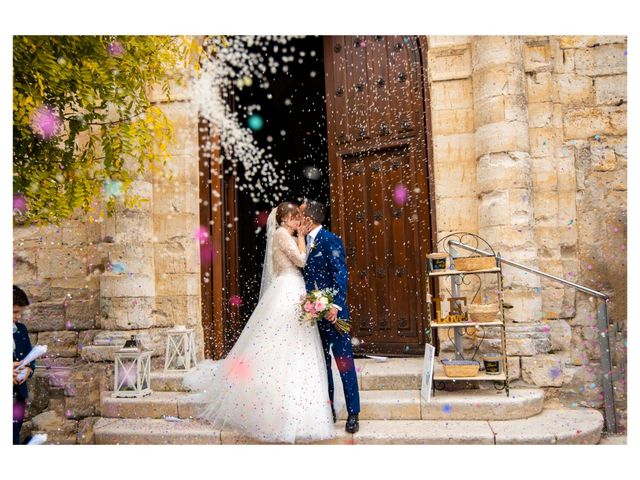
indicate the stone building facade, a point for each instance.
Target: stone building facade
{"x":529,"y":144}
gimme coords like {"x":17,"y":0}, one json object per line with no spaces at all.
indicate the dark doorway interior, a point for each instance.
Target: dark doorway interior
{"x":294,"y":131}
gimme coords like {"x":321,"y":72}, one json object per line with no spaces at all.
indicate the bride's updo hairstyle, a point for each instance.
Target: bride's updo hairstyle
{"x":284,"y":209}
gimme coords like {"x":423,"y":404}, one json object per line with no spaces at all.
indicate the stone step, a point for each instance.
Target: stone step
{"x":551,"y":426}
{"x":162,"y":381}
{"x":391,"y":374}
{"x":374,"y":404}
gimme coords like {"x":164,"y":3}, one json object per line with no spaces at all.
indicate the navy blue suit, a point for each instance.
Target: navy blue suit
{"x":22,"y":346}
{"x":326,"y":268}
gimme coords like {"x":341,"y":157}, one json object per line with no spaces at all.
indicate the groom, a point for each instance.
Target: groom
{"x":326,"y":268}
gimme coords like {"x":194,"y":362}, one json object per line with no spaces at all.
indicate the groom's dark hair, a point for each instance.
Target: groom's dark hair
{"x":315,"y":211}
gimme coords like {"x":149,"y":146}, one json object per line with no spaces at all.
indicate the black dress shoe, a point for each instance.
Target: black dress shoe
{"x":352,"y":423}
{"x":333,"y":412}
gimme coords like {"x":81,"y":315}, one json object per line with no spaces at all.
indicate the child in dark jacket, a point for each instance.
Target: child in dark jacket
{"x":21,"y":347}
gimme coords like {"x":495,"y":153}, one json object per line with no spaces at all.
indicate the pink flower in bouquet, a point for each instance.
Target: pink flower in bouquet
{"x":308,"y":307}
{"x":320,"y":305}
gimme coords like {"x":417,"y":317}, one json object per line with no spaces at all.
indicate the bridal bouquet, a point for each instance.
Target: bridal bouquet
{"x":318,"y":302}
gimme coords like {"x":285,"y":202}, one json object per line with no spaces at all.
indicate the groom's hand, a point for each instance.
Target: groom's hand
{"x":332,"y":315}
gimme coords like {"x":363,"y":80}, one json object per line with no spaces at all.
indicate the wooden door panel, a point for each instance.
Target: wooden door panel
{"x":377,"y":142}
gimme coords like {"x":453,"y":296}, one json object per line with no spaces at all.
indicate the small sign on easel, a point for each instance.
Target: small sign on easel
{"x":427,"y":372}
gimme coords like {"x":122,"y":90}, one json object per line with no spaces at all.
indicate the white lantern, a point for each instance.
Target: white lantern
{"x":132,"y":376}
{"x":180,"y":354}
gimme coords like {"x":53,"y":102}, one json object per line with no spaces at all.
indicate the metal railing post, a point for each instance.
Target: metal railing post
{"x":603,"y":331}
{"x":607,"y":368}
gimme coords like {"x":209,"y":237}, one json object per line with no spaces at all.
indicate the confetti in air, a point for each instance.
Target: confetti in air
{"x":447,"y":408}
{"x":45,"y":122}
{"x":19,"y":204}
{"x":218,"y":75}
{"x":255,"y":122}
{"x":401,"y":194}
{"x":236,"y":301}
{"x":115,"y":49}
{"x":112,"y":188}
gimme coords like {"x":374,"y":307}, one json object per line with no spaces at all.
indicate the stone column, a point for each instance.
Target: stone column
{"x":502,"y":149}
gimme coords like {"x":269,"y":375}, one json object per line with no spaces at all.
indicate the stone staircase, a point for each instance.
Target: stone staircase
{"x":392,"y":412}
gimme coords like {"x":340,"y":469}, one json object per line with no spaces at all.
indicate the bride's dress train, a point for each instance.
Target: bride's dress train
{"x":272,"y":385}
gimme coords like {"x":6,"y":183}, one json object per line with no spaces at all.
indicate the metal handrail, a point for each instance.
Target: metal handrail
{"x":603,"y":327}
{"x":582,"y":288}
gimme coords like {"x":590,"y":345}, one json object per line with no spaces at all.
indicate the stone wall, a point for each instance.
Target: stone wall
{"x":529,"y":139}
{"x":95,"y":282}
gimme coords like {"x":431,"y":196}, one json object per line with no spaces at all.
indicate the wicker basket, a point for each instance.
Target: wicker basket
{"x":465,"y":264}
{"x":460,"y":368}
{"x":483,"y":312}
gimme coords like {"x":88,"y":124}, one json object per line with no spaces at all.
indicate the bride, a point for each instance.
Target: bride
{"x":272,"y":385}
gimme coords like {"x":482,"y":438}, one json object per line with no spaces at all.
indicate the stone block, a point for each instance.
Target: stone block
{"x":61,"y":262}
{"x":24,"y":271}
{"x":175,"y":227}
{"x":133,"y":258}
{"x":126,"y":312}
{"x":603,"y":158}
{"x":502,"y":137}
{"x":574,"y":90}
{"x":44,"y":316}
{"x":582,"y":386}
{"x":60,"y":344}
{"x":541,"y":141}
{"x":602,"y":60}
{"x":85,"y":430}
{"x":540,"y":114}
{"x":457,"y":214}
{"x":455,"y":179}
{"x":133,"y":227}
{"x":539,"y":87}
{"x":30,"y":236}
{"x":77,"y":233}
{"x":454,"y":148}
{"x":546,"y":209}
{"x":583,"y":123}
{"x":172,"y":199}
{"x":545,"y":370}
{"x":489,"y":110}
{"x":560,"y":333}
{"x":447,"y":122}
{"x":449,"y":63}
{"x":177,"y":257}
{"x":177,"y":310}
{"x":82,"y":314}
{"x":59,"y":430}
{"x":580,"y":41}
{"x":124,"y":285}
{"x":492,"y":50}
{"x":502,"y":80}
{"x":536,"y":56}
{"x":440,"y":41}
{"x":178,"y":284}
{"x":451,"y":95}
{"x":611,"y":89}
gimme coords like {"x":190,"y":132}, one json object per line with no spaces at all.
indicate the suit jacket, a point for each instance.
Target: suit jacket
{"x":327,"y":268}
{"x":22,"y":348}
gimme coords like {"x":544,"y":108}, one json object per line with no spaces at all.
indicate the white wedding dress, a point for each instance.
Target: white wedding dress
{"x":272,"y":385}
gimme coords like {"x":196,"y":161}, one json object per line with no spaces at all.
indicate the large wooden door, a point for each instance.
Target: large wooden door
{"x":380,"y":187}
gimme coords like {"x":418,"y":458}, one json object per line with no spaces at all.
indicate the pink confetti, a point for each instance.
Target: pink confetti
{"x":590,"y":267}
{"x":19,"y":204}
{"x":261,"y":219}
{"x":202,"y":234}
{"x":45,"y":122}
{"x":115,"y":49}
{"x":401,"y":194}
{"x":236,"y":300}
